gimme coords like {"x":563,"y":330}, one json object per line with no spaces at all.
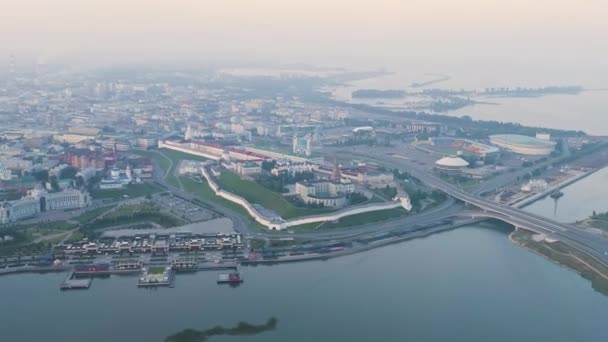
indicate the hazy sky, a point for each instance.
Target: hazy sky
{"x":336,"y":32}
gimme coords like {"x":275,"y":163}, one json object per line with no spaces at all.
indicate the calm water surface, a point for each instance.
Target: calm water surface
{"x":579,"y":201}
{"x":586,"y":111}
{"x":470,"y":284}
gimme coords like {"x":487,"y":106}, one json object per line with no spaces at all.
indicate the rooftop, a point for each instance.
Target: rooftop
{"x":523,"y":140}
{"x":452,"y":161}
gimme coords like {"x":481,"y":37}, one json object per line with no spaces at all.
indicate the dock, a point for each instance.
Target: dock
{"x":156,"y":277}
{"x":72,"y":283}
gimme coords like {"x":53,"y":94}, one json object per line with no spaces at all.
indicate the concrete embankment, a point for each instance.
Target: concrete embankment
{"x":35,"y":269}
{"x":560,"y":185}
{"x":362,"y":248}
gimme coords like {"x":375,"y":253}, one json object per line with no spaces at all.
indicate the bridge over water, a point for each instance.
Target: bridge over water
{"x":590,"y":243}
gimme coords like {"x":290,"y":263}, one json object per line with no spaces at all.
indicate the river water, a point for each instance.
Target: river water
{"x":586,"y":111}
{"x":470,"y":284}
{"x":579,"y":201}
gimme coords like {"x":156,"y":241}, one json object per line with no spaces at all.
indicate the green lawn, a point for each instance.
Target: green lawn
{"x":54,"y":225}
{"x":136,"y":213}
{"x":91,"y":214}
{"x":156,"y":270}
{"x":255,"y":193}
{"x":168,"y":160}
{"x":131,"y":190}
{"x":469,"y":184}
{"x":163,"y":162}
{"x":176,"y":157}
{"x":202,"y":189}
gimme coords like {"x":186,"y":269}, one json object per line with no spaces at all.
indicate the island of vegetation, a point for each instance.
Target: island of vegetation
{"x":241,"y":329}
{"x":378,"y":94}
{"x":438,"y":78}
{"x":532,"y":92}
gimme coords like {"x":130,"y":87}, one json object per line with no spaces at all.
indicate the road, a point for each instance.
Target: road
{"x":592,"y":244}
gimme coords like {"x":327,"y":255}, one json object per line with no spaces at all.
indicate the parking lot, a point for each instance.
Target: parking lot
{"x":184,"y":209}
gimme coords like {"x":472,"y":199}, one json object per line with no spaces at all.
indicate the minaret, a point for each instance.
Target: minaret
{"x":128,"y":172}
{"x":308,"y":151}
{"x":336,"y":176}
{"x":188,"y":134}
{"x":11,"y":66}
{"x":11,"y":69}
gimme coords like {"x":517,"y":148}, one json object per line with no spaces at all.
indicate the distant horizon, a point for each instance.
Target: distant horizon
{"x":342,"y":33}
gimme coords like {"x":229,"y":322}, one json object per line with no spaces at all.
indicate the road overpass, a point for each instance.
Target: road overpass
{"x":588,"y":242}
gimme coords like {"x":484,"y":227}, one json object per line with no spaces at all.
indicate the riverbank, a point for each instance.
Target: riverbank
{"x":564,"y":255}
{"x":361,"y":244}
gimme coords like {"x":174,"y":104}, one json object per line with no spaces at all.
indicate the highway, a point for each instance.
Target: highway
{"x":590,"y":243}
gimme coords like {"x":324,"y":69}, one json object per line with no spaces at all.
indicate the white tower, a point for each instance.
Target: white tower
{"x":128,"y":173}
{"x":188,"y":133}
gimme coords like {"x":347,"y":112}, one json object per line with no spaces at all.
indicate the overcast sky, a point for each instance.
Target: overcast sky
{"x":334,"y":32}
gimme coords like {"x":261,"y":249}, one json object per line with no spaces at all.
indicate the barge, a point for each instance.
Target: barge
{"x":229,"y":278}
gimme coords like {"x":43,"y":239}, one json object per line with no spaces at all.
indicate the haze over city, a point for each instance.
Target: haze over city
{"x":265,"y":170}
{"x":553,"y":34}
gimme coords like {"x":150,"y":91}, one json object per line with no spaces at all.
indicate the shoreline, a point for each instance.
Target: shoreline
{"x":304,"y":258}
{"x":564,"y":256}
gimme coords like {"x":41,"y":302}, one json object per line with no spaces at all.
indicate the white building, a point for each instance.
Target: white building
{"x":189,"y":167}
{"x":543,"y":136}
{"x":66,"y":199}
{"x":375,"y":179}
{"x":14,"y":211}
{"x":117,"y":179}
{"x":535,"y":185}
{"x":5,"y":174}
{"x":325,"y":192}
{"x":248,"y":168}
{"x":291,"y":168}
{"x":39,"y":200}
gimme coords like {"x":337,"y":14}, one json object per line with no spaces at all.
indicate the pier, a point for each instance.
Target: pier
{"x":71,"y":282}
{"x":155,"y":277}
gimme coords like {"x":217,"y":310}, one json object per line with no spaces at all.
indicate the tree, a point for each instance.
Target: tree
{"x":42,"y":175}
{"x":79,"y":182}
{"x":68,"y":172}
{"x":268,"y":165}
{"x":54,"y":183}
